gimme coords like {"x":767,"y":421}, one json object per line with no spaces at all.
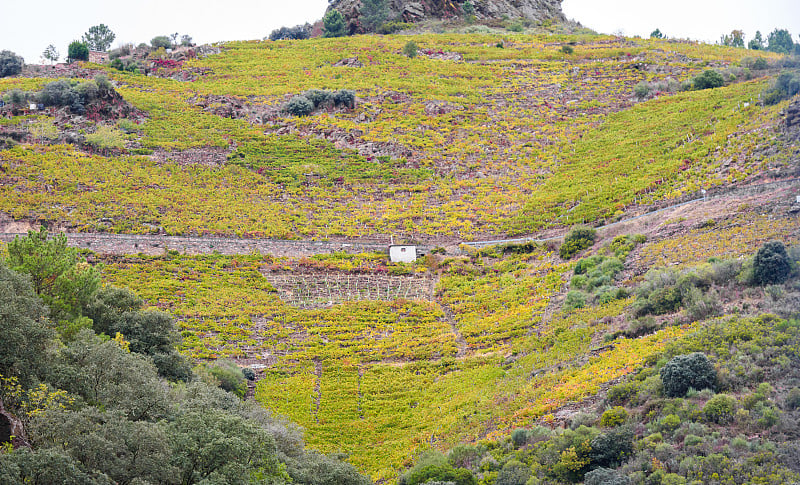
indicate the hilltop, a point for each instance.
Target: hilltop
{"x":666,"y":150}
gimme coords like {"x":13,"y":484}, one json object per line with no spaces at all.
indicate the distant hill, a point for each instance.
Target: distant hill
{"x":414,"y":11}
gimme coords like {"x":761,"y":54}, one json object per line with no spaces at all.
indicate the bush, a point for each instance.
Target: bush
{"x":249,"y":374}
{"x":228,"y":376}
{"x":605,"y":476}
{"x":621,"y":393}
{"x":392,"y":27}
{"x":720,"y":409}
{"x":710,"y":78}
{"x":567,"y":49}
{"x":611,"y":448}
{"x":106,"y":137}
{"x":513,"y":473}
{"x":16,"y":97}
{"x":687,"y":371}
{"x":786,"y":85}
{"x":10,"y":64}
{"x":299,"y":106}
{"x":771,"y":264}
{"x":642,"y":90}
{"x":615,"y":416}
{"x":664,"y":300}
{"x":318,"y":97}
{"x":77,"y":51}
{"x":410,"y":49}
{"x":575,"y":299}
{"x":793,"y":399}
{"x":345,"y":97}
{"x":577,"y":239}
{"x":298,"y":32}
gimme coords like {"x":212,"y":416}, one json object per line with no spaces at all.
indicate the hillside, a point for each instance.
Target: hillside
{"x":478,"y":137}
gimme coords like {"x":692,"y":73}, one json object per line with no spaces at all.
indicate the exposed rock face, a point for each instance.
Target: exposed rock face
{"x":793,"y":115}
{"x":415,"y":10}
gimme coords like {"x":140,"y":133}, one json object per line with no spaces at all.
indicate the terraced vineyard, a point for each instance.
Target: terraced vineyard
{"x":479,"y":136}
{"x":491,"y":140}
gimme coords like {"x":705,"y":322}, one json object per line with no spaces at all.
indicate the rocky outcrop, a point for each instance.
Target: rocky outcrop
{"x":416,"y":10}
{"x":793,"y":115}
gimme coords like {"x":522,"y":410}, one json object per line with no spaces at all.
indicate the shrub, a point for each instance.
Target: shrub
{"x":720,"y":409}
{"x":394,"y":26}
{"x":77,"y":51}
{"x":577,"y":239}
{"x":605,"y":476}
{"x":611,"y":448}
{"x":710,"y":78}
{"x":299,"y":106}
{"x":410,"y":49}
{"x":519,"y":437}
{"x":575,"y":299}
{"x":793,"y":399}
{"x":10,"y":64}
{"x":786,"y":85}
{"x":567,"y":49}
{"x":318,"y":97}
{"x":642,"y":90}
{"x":614,"y":417}
{"x":106,"y":137}
{"x":434,"y":467}
{"x":516,"y":27}
{"x":249,"y":374}
{"x":685,"y":371}
{"x":228,"y":376}
{"x":700,"y":306}
{"x":513,"y":473}
{"x":664,"y":300}
{"x":298,"y":32}
{"x":161,"y":42}
{"x":771,"y":264}
{"x":621,"y":393}
{"x":16,"y":97}
{"x":345,"y":97}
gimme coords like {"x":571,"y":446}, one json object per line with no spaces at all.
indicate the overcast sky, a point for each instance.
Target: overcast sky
{"x":28,"y":26}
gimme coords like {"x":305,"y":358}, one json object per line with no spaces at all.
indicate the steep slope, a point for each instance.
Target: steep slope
{"x":479,"y":136}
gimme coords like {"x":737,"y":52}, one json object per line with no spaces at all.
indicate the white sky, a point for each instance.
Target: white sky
{"x":28,"y":26}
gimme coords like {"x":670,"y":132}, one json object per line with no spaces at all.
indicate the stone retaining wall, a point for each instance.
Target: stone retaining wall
{"x":154,"y":244}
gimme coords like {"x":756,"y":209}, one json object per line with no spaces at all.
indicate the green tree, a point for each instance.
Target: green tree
{"x":213,"y":446}
{"x":710,"y":78}
{"x":48,"y":466}
{"x":373,"y":14}
{"x":77,"y":51}
{"x":59,"y":275}
{"x":104,"y":374}
{"x":10,"y":64}
{"x":24,"y":332}
{"x":757,"y":42}
{"x":334,"y":24}
{"x":99,"y":37}
{"x":161,"y":41}
{"x":780,"y":41}
{"x":107,"y":442}
{"x":51,"y":54}
{"x":771,"y":263}
{"x":684,"y":371}
{"x":656,"y":34}
{"x":735,"y":39}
